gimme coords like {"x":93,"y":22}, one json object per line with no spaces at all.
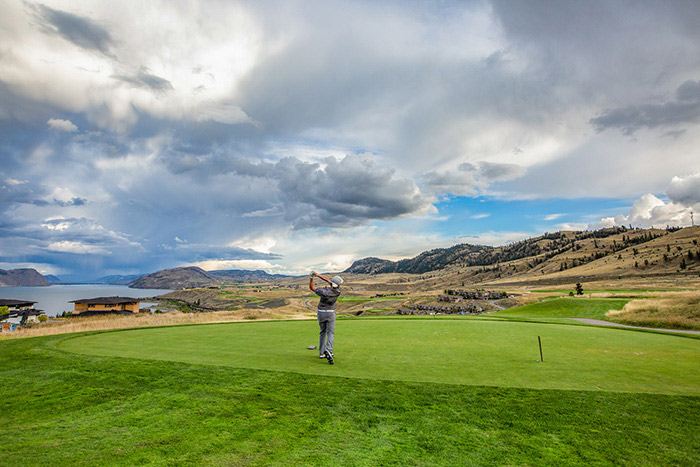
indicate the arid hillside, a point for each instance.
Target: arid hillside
{"x":556,"y":258}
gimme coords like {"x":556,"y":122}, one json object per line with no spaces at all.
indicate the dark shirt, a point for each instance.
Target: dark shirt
{"x":328,"y":297}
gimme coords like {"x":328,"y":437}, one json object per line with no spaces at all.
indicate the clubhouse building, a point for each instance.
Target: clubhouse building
{"x":105,"y":305}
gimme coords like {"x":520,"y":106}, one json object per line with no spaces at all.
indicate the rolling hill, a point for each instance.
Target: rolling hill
{"x":607,"y":253}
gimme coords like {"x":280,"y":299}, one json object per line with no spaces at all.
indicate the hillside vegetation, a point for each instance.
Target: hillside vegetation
{"x":557,"y":257}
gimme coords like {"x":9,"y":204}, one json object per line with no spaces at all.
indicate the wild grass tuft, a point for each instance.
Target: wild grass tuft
{"x":671,"y":311}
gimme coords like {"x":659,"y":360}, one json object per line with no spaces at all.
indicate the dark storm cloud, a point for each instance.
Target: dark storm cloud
{"x":683,"y":110}
{"x":144,"y":79}
{"x":348,"y":192}
{"x":83,"y":32}
{"x":343,"y":193}
{"x":18,"y":192}
{"x":14,"y":192}
{"x":76,"y":201}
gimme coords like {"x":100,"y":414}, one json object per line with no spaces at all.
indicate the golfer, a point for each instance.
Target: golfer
{"x":326,"y":313}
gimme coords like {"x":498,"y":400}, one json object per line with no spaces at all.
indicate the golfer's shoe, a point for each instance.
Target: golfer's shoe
{"x":329,"y":357}
{"x":321,"y":356}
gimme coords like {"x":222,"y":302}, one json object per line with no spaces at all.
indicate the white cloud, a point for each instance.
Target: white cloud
{"x":249,"y":264}
{"x":648,"y":211}
{"x":553,"y":217}
{"x":62,"y":125}
{"x":575,"y":226}
{"x":13,"y":182}
{"x":67,"y":246}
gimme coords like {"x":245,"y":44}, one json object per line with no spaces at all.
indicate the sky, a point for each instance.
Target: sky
{"x":292,"y":135}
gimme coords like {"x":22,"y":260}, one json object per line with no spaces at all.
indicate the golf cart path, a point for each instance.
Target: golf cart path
{"x":608,"y":323}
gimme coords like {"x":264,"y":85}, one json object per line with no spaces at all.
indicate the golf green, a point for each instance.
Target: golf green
{"x":477,"y":351}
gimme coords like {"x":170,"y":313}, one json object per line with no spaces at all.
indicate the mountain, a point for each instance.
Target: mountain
{"x":177,"y":278}
{"x":607,"y":253}
{"x":431,"y":260}
{"x":22,"y":278}
{"x":117,"y":279}
{"x":242,"y":275}
{"x":53,"y":279}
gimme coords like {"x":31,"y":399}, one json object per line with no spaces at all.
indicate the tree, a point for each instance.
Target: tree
{"x":579,"y":289}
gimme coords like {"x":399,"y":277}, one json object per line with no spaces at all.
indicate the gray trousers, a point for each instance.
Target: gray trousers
{"x":326,"y":322}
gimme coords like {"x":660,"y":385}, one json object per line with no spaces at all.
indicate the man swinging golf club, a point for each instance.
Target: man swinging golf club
{"x":326,"y":313}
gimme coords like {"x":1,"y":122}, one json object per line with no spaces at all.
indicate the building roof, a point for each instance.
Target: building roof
{"x":8,"y":302}
{"x":106,"y":300}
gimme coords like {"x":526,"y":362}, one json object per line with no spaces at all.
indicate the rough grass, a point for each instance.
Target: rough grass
{"x":671,"y":311}
{"x":66,"y":409}
{"x":139,"y":320}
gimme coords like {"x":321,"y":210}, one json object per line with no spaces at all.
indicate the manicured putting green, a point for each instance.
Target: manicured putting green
{"x":458,"y":351}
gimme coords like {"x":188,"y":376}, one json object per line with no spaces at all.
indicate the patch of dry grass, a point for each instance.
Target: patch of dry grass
{"x":108,"y":322}
{"x":674,"y":310}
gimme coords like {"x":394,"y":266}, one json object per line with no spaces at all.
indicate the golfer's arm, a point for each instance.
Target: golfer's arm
{"x":324,"y":278}
{"x":311,"y":284}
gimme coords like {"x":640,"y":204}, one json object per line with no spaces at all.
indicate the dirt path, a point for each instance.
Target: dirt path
{"x":608,"y":323}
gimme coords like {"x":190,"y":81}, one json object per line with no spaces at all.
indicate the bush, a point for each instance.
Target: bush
{"x":43,"y":318}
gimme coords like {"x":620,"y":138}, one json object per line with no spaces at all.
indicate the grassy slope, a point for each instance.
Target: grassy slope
{"x":459,"y":351}
{"x":61,"y":409}
{"x":578,"y":307}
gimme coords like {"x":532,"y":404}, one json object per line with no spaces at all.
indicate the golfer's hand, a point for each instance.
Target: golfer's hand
{"x":313,"y":273}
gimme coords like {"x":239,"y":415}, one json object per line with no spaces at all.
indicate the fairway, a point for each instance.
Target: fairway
{"x":477,"y":352}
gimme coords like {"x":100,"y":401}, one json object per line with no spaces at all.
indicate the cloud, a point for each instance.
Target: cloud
{"x":342,"y":193}
{"x":685,"y":191}
{"x":79,"y":248}
{"x":81,"y":31}
{"x":649,"y":210}
{"x":62,"y":125}
{"x":471,"y":179}
{"x":254,"y":264}
{"x":202,"y":252}
{"x":646,"y":212}
{"x":552,"y":217}
{"x":144,"y":79}
{"x":684,"y":109}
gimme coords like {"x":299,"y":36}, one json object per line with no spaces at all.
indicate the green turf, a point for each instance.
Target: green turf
{"x":67,"y":409}
{"x":457,"y":351}
{"x":615,"y":291}
{"x":577,"y":307}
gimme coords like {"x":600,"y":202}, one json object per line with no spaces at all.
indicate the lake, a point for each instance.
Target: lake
{"x":55,"y":298}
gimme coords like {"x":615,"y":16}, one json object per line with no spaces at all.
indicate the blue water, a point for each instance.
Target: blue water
{"x":55,"y":299}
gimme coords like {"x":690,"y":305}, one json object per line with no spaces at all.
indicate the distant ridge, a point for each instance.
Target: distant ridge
{"x":117,"y":279}
{"x":53,"y":279}
{"x":187,"y":277}
{"x":25,"y":277}
{"x":242,"y":275}
{"x":176,"y":278}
